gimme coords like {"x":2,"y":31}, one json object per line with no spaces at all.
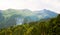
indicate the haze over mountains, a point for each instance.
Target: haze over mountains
{"x":12,"y":17}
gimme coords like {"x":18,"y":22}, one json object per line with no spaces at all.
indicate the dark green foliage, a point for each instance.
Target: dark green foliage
{"x":50,"y":27}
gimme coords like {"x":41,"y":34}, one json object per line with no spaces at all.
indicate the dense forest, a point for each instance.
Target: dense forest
{"x":47,"y":27}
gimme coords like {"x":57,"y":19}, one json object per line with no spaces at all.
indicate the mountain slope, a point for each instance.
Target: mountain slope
{"x":15,"y":17}
{"x":45,"y":13}
{"x":42,"y":14}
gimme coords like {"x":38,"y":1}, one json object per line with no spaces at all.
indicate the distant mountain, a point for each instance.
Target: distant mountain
{"x":1,"y":16}
{"x":45,"y":13}
{"x":42,"y":14}
{"x":12,"y":17}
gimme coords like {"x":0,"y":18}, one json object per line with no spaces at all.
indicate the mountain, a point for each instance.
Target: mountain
{"x":42,"y":14}
{"x":45,"y":14}
{"x":15,"y":17}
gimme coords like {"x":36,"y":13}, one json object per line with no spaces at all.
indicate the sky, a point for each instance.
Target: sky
{"x":33,"y":5}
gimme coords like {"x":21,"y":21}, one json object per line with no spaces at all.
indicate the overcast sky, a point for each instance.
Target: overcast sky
{"x":53,"y":5}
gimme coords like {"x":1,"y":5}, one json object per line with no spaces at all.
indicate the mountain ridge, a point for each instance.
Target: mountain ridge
{"x":14,"y":17}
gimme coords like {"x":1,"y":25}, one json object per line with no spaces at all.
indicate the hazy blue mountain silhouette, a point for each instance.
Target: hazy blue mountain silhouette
{"x":42,"y":14}
{"x":46,"y":13}
{"x":12,"y":17}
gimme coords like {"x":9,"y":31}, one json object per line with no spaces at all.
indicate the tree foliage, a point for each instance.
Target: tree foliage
{"x":50,"y":27}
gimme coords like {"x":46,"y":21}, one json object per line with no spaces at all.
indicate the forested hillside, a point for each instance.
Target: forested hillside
{"x":11,"y":17}
{"x":48,"y":27}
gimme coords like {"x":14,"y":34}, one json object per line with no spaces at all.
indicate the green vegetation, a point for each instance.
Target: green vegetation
{"x":48,"y":27}
{"x":12,"y":17}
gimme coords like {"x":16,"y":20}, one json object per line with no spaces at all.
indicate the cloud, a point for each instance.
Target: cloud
{"x":53,"y":5}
